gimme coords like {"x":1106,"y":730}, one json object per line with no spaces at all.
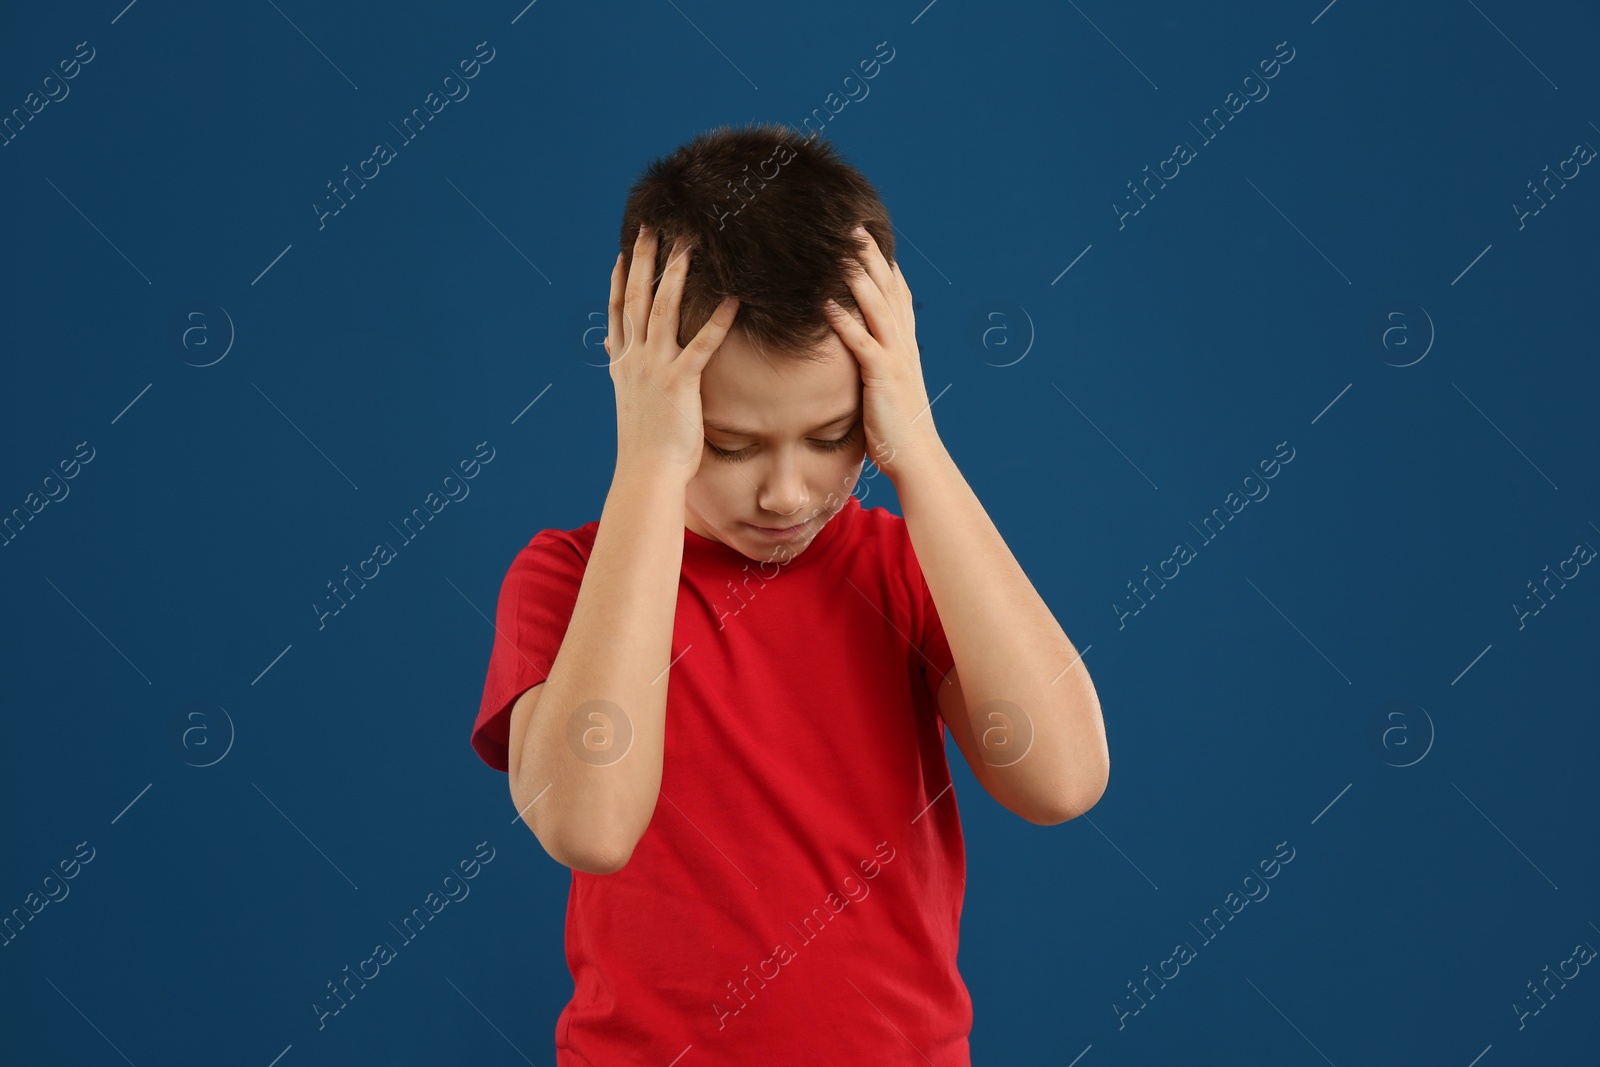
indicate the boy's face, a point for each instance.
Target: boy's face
{"x":795,"y":430}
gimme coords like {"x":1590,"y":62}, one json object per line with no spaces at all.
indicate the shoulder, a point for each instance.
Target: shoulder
{"x":557,"y":548}
{"x":886,"y":532}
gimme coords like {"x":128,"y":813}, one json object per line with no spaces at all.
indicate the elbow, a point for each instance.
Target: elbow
{"x":584,"y":852}
{"x":575,"y":848}
{"x":1069,"y":799}
{"x":590,"y":859}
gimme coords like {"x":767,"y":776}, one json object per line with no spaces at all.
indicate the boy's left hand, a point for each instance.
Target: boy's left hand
{"x":896,"y":411}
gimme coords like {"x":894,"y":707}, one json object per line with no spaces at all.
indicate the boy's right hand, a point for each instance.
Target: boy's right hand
{"x":657,"y":383}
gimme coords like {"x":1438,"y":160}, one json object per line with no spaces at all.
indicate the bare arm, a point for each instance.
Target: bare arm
{"x":586,"y":744}
{"x":585,"y":776}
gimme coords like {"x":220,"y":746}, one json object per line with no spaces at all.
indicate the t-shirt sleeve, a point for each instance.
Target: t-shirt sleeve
{"x":536,"y":601}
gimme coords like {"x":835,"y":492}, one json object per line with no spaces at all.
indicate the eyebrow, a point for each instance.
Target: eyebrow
{"x":852,"y":414}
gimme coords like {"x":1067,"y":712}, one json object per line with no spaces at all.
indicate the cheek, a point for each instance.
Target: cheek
{"x":841,"y":472}
{"x":711,"y":489}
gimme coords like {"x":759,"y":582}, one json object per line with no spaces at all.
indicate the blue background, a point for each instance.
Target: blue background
{"x":1439,"y":856}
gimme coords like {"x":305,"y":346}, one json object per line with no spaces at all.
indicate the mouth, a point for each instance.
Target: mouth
{"x":780,"y":533}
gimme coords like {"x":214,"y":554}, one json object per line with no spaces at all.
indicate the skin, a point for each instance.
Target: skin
{"x":800,"y":461}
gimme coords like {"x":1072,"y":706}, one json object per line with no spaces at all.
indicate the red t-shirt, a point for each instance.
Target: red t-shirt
{"x":796,"y":897}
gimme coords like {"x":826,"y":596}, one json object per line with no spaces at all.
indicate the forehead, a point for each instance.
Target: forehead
{"x":745,"y":387}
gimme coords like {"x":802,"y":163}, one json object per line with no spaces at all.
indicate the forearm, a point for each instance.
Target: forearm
{"x":1007,"y":645}
{"x":616,"y":649}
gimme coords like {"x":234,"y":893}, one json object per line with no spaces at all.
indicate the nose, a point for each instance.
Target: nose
{"x":783,"y":490}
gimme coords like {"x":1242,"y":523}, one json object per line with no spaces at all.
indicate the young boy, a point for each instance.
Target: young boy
{"x":723,"y":704}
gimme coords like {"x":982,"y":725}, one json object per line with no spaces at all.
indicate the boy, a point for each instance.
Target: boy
{"x":723,"y":704}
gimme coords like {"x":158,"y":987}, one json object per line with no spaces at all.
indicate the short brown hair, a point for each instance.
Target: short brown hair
{"x":768,"y":213}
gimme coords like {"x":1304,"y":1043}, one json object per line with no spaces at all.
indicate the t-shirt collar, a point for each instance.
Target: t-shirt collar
{"x":705,"y":550}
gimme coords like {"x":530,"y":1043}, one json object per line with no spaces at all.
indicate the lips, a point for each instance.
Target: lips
{"x":788,"y":533}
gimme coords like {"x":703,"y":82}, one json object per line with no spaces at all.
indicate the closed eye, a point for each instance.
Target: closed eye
{"x":831,"y":445}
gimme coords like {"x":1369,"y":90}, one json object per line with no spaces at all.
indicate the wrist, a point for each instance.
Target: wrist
{"x":651,"y":472}
{"x":916,"y":459}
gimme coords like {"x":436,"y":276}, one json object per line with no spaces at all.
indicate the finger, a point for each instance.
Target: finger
{"x":711,"y":335}
{"x":614,"y":309}
{"x":872,"y":258}
{"x":874,"y":306}
{"x":636,"y":305}
{"x":853,"y":334}
{"x":669,"y":296}
{"x":906,"y":304}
